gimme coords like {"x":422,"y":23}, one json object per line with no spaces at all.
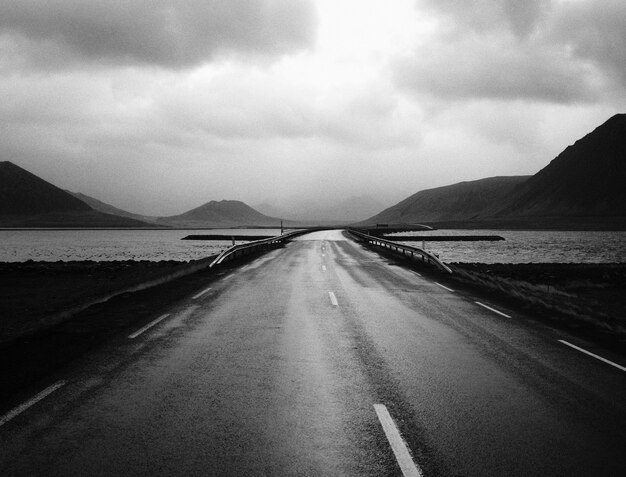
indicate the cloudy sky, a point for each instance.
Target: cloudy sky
{"x":158,"y":106}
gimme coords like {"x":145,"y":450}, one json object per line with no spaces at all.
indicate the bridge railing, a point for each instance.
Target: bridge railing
{"x":255,"y":246}
{"x":405,"y":250}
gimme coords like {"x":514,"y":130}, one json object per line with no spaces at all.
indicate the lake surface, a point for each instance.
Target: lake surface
{"x":524,"y":246}
{"x":106,"y":245}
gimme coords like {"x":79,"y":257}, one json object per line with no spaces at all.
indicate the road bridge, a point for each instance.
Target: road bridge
{"x":324,"y":358}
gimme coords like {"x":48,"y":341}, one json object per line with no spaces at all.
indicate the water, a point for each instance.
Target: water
{"x":107,"y":245}
{"x":523,"y":246}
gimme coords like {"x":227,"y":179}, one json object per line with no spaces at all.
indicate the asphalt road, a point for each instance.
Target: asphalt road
{"x":314,"y":360}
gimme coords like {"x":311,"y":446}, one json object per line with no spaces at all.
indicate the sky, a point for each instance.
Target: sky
{"x":158,"y":106}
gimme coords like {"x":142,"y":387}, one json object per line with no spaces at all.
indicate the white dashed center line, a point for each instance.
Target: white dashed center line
{"x":333,"y":298}
{"x":593,"y":355}
{"x":31,"y":402}
{"x":324,"y":267}
{"x":492,"y":309}
{"x":148,"y":326}
{"x":442,"y":286}
{"x":403,"y":456}
{"x":198,"y":295}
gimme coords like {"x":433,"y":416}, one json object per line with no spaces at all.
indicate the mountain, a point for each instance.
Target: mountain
{"x":462,"y":201}
{"x":29,"y":201}
{"x":347,"y":210}
{"x":584,"y":187}
{"x":225,"y":213}
{"x":110,"y":209}
{"x":588,"y":179}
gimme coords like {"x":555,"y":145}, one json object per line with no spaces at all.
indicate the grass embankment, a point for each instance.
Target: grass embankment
{"x":37,"y":295}
{"x":590,"y":298}
{"x":45,"y":322}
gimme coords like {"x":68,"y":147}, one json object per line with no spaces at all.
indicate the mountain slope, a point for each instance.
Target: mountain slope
{"x":23,"y":193}
{"x":462,"y":201}
{"x":225,"y":213}
{"x":29,"y":201}
{"x":108,"y":208}
{"x":584,"y":187}
{"x":588,"y":179}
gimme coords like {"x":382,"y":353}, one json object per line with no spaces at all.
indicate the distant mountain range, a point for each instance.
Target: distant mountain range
{"x":29,"y":201}
{"x":583,"y":187}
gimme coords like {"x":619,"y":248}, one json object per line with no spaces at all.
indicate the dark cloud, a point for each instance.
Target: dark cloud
{"x":596,"y":34}
{"x":169,"y":33}
{"x":537,"y":50}
{"x":521,"y":17}
{"x":496,"y":68}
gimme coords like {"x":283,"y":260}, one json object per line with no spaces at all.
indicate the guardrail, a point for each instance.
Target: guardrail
{"x":406,"y":250}
{"x":256,"y":246}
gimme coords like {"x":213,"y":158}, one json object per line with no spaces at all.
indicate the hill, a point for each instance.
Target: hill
{"x":29,"y":201}
{"x":110,"y":209}
{"x":225,"y":213}
{"x":23,"y":193}
{"x":588,"y":179}
{"x":584,"y":187}
{"x":462,"y":201}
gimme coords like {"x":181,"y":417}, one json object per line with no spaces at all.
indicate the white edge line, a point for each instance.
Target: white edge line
{"x":31,"y":402}
{"x":442,"y":286}
{"x":594,"y":355}
{"x":148,"y":326}
{"x":333,"y":298}
{"x":198,"y":295}
{"x":403,"y":455}
{"x":492,"y":309}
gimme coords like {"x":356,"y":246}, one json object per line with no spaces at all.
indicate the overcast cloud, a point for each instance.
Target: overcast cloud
{"x":159,"y":106}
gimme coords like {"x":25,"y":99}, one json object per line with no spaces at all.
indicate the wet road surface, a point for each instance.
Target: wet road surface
{"x":323,"y":358}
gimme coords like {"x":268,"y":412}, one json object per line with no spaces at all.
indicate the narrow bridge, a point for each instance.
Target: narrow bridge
{"x":324,"y":358}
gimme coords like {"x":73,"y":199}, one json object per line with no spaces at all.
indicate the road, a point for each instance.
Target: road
{"x":313,"y":360}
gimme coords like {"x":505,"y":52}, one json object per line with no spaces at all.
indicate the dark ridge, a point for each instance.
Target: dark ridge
{"x":23,"y":193}
{"x":587,"y":179}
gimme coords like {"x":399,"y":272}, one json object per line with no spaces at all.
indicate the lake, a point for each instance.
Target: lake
{"x":106,"y":245}
{"x":526,"y":246}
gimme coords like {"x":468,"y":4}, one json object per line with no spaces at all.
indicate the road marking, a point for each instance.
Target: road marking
{"x":594,"y":355}
{"x":418,"y":274}
{"x":403,"y":455}
{"x":198,"y":295}
{"x":323,"y":255}
{"x":333,"y":299}
{"x":324,"y":267}
{"x":148,"y":326}
{"x":449,"y":289}
{"x":492,"y":309}
{"x":31,"y":402}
